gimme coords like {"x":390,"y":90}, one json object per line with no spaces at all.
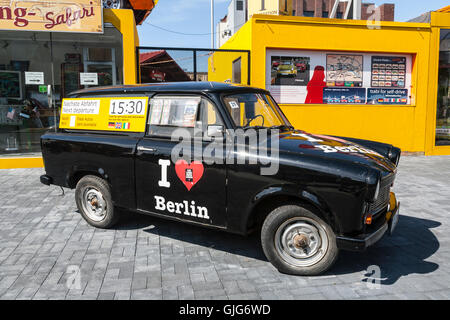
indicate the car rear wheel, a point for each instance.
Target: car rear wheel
{"x":296,"y":241}
{"x":93,"y":198}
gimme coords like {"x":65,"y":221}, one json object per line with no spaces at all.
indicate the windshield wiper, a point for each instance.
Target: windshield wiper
{"x":253,"y":127}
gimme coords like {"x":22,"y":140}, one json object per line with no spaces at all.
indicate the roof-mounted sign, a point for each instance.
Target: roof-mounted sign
{"x":83,"y":16}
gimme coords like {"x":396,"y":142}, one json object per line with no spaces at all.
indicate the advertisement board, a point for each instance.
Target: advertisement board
{"x":323,"y":77}
{"x":110,"y":114}
{"x":81,"y":16}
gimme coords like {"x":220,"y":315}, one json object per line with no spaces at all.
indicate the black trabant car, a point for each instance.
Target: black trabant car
{"x":223,"y":156}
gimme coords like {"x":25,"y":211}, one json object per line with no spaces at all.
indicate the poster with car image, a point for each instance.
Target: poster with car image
{"x":290,"y":71}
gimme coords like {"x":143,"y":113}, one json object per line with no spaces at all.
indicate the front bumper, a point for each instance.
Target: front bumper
{"x":363,"y":241}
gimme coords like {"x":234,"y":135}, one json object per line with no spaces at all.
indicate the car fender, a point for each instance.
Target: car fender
{"x":296,"y":193}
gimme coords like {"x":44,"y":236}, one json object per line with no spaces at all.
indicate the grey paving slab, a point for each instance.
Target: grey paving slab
{"x":47,"y":251}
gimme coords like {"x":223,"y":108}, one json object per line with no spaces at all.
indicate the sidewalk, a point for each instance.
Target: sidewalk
{"x":47,"y":251}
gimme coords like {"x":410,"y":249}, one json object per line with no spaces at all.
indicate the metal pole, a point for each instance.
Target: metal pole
{"x":212,"y":24}
{"x":53,"y":106}
{"x":195,"y":64}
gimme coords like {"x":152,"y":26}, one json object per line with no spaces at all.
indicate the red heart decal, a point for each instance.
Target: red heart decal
{"x":189,"y":174}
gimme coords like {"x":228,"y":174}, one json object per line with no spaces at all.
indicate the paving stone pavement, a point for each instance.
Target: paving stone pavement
{"x":47,"y":251}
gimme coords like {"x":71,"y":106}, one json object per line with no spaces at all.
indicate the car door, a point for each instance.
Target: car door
{"x":190,"y":186}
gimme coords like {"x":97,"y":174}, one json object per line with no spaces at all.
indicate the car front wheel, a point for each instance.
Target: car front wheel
{"x":296,"y":241}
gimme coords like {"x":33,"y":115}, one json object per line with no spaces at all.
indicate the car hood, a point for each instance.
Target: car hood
{"x":333,"y":148}
{"x":285,"y":67}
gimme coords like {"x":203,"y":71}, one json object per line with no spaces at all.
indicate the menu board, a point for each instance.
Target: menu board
{"x":388,"y":72}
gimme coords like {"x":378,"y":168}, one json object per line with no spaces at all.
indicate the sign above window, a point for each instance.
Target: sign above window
{"x":79,"y":16}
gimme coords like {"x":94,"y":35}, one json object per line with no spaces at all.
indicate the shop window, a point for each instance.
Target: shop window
{"x":237,"y":71}
{"x":443,"y":102}
{"x":321,"y":77}
{"x":26,"y":70}
{"x":308,"y":13}
{"x":324,"y":14}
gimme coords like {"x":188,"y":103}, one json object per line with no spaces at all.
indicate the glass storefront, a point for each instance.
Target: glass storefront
{"x":30,"y":61}
{"x":443,"y":103}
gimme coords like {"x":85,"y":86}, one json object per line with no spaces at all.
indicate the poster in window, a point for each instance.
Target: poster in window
{"x":340,"y":71}
{"x":190,"y":113}
{"x":336,"y":95}
{"x":290,"y":71}
{"x":388,"y":72}
{"x":344,"y":70}
{"x":10,"y":85}
{"x":387,"y":96}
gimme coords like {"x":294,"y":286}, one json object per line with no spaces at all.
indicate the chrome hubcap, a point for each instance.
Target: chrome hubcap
{"x":301,"y":242}
{"x":94,"y":204}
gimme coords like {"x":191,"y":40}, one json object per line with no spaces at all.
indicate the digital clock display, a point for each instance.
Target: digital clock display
{"x":127,"y":107}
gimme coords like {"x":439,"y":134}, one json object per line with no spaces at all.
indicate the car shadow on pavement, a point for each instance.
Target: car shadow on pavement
{"x":404,"y":253}
{"x":195,"y":235}
{"x":396,"y":256}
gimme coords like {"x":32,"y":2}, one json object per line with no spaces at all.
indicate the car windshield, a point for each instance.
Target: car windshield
{"x":255,"y":110}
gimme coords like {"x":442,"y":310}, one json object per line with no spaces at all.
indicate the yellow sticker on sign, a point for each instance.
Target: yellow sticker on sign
{"x":127,"y":114}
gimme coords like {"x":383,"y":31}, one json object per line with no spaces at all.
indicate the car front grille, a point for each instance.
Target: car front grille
{"x":384,"y":195}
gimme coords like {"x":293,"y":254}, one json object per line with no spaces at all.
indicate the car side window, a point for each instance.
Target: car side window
{"x":168,"y":113}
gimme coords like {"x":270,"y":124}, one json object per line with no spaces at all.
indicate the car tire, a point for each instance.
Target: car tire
{"x":297,"y":241}
{"x":93,"y":198}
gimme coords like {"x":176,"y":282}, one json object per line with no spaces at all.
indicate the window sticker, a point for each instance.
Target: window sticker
{"x":157,"y":106}
{"x":234,"y":105}
{"x":166,"y":112}
{"x":190,"y":113}
{"x":105,"y":114}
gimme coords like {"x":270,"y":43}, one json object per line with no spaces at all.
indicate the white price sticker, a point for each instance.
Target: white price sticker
{"x":233,"y":105}
{"x":127,"y":107}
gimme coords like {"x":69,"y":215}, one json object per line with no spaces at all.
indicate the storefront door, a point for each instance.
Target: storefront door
{"x":443,"y":103}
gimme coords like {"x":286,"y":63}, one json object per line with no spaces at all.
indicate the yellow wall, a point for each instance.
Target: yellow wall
{"x":408,"y":127}
{"x":123,"y":20}
{"x":220,"y":63}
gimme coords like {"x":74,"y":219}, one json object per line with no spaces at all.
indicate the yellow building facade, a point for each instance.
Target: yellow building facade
{"x":409,"y":122}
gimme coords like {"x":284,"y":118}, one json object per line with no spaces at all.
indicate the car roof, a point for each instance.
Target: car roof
{"x":186,"y":87}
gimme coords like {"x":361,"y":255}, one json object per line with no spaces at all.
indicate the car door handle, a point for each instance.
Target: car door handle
{"x":146,"y":149}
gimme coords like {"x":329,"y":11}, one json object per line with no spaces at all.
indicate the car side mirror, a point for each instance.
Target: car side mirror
{"x":215,"y":131}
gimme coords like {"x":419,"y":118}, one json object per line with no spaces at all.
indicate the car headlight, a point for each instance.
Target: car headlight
{"x":394,"y":155}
